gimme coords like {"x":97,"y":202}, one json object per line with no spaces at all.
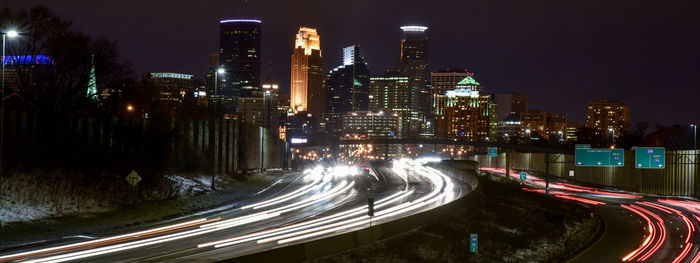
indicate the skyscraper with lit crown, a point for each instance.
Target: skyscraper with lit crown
{"x":413,"y":63}
{"x":307,"y":73}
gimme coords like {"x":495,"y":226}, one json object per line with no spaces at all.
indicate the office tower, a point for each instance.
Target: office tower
{"x":464,"y":114}
{"x":447,"y":79}
{"x":390,"y":91}
{"x":347,"y":88}
{"x":306,"y":92}
{"x":608,"y":117}
{"x":370,"y":125}
{"x":413,"y":63}
{"x":170,"y":89}
{"x":240,"y":57}
{"x":510,"y":103}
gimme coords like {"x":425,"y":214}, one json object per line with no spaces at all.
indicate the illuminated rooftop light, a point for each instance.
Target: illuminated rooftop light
{"x":414,"y":28}
{"x":240,"y":21}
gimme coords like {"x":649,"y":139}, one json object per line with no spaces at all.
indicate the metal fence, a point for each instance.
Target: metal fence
{"x":166,"y":144}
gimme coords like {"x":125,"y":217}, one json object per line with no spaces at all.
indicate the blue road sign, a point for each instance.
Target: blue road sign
{"x":583,"y":146}
{"x":600,"y":157}
{"x":473,"y":243}
{"x":523,"y":176}
{"x":493,"y":152}
{"x":650,"y":157}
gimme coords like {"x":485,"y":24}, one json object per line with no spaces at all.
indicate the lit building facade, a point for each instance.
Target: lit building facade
{"x":307,"y":75}
{"x":464,"y":114}
{"x":413,"y":63}
{"x":347,"y":88}
{"x":392,"y":92}
{"x":509,"y":129}
{"x":170,"y":88}
{"x":259,"y":110}
{"x":20,"y":70}
{"x":572,"y":130}
{"x":604,"y":115}
{"x":444,"y":80}
{"x":368,"y":125}
{"x":239,"y":43}
{"x":540,"y":125}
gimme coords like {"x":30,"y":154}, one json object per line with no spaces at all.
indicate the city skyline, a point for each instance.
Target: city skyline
{"x":618,"y":58}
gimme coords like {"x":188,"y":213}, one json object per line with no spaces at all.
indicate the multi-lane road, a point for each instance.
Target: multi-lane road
{"x":320,"y":202}
{"x":638,"y":228}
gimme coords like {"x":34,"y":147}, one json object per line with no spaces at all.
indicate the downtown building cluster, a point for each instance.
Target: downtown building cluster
{"x":349,"y":102}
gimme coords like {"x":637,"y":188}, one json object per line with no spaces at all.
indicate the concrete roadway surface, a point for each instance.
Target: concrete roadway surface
{"x":638,"y":228}
{"x":317,"y":203}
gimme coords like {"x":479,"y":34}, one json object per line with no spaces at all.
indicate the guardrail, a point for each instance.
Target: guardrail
{"x":678,"y":178}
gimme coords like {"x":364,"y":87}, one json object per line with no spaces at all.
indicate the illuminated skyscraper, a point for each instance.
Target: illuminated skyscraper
{"x":306,"y":92}
{"x":465,"y":114}
{"x":346,"y":88}
{"x":413,"y":63}
{"x":240,"y":57}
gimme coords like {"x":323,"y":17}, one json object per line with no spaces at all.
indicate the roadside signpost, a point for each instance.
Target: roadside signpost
{"x":600,"y":157}
{"x":493,"y":152}
{"x":133,"y":178}
{"x":370,"y":209}
{"x":473,"y":242}
{"x":650,"y":158}
{"x":523,"y":176}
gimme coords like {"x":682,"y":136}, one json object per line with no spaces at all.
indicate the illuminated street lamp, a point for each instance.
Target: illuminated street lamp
{"x":10,"y":34}
{"x":216,"y":103}
{"x":528,"y":133}
{"x":613,"y":135}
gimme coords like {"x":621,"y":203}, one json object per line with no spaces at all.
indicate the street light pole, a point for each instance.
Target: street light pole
{"x":2,"y":109}
{"x":613,"y":135}
{"x":11,"y":34}
{"x":216,"y":103}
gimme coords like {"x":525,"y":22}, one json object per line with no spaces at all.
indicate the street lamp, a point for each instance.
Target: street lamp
{"x":613,"y":135}
{"x":528,"y":133}
{"x":11,"y":34}
{"x":561,"y":136}
{"x":216,"y":103}
{"x":695,"y":136}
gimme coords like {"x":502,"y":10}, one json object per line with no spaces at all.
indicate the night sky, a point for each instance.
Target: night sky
{"x":560,"y":54}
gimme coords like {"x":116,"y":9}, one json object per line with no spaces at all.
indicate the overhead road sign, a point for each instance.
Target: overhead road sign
{"x":650,"y":158}
{"x":493,"y":152}
{"x":583,"y":146}
{"x":600,"y":157}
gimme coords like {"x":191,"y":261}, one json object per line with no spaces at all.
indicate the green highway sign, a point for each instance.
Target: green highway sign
{"x":493,"y":152}
{"x":583,"y":146}
{"x":600,"y":157}
{"x":650,"y":157}
{"x":523,"y":176}
{"x":473,"y":242}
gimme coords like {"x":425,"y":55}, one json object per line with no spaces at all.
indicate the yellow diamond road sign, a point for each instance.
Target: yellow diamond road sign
{"x":133,"y":178}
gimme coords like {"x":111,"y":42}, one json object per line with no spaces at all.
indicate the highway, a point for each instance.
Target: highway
{"x":638,"y":228}
{"x":319,"y":202}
